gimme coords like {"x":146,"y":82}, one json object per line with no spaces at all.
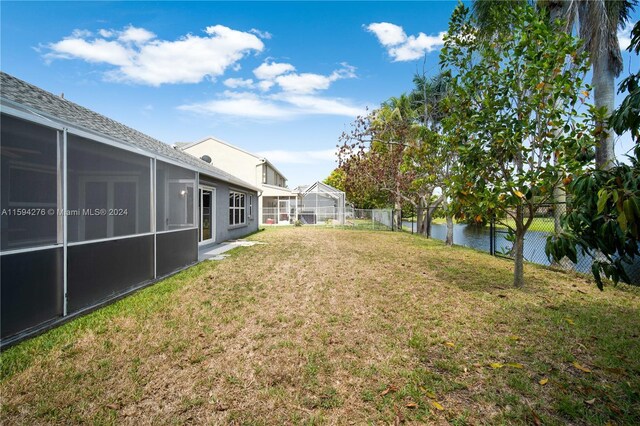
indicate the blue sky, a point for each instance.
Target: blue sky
{"x":284,"y":79}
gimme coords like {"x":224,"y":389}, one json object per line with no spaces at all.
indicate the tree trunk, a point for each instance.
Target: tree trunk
{"x":518,"y":270}
{"x":427,"y":223}
{"x":518,"y":248}
{"x":604,"y":96}
{"x":419,"y":217}
{"x":397,"y":216}
{"x":449,"y":240}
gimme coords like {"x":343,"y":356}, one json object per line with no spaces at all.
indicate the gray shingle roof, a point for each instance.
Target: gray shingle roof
{"x":67,"y":112}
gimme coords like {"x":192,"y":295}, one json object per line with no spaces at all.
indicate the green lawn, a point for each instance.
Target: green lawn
{"x":541,"y":224}
{"x":331,"y":326}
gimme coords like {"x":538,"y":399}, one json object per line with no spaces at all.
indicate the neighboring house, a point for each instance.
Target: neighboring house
{"x":319,"y":203}
{"x":92,"y":209}
{"x":277,"y":204}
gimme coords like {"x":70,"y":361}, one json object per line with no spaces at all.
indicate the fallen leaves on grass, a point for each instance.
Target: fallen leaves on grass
{"x":590,"y":401}
{"x":390,"y":388}
{"x":497,"y":365}
{"x":411,"y":405}
{"x":580,"y":367}
{"x":450,"y":344}
{"x":514,"y":365}
{"x":570,"y":321}
{"x":437,"y":406}
{"x":428,"y":393}
{"x":543,"y":381}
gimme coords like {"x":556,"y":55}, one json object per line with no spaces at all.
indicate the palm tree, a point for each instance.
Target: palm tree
{"x":427,"y":98}
{"x":598,"y":22}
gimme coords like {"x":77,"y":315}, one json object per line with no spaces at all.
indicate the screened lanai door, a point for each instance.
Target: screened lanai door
{"x":207,"y":215}
{"x":284,"y":213}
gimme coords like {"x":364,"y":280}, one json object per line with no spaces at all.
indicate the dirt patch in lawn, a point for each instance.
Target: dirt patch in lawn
{"x":326,"y":326}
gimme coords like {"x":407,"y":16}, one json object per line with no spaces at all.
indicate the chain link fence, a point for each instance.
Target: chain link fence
{"x":545,"y":221}
{"x":498,"y":241}
{"x":348,"y":218}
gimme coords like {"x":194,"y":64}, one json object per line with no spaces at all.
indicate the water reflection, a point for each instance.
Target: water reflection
{"x":478,"y":237}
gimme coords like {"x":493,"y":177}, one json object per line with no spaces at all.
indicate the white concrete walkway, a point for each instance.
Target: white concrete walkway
{"x":216,"y":251}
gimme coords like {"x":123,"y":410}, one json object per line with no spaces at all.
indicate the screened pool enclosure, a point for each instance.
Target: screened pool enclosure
{"x":91,"y":209}
{"x":320,"y":204}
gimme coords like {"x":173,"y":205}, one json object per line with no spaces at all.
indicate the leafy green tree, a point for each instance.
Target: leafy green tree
{"x":627,"y":116}
{"x":336,"y":179}
{"x":514,"y":106}
{"x":604,"y":218}
{"x":359,"y":184}
{"x":430,"y":156}
{"x":597,"y":22}
{"x":372,"y":153}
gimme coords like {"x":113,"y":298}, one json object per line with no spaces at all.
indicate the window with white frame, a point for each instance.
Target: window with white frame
{"x":237,"y":208}
{"x":250,"y":206}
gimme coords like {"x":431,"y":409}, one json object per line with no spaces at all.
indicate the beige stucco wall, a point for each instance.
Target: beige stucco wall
{"x":231,"y":160}
{"x":242,"y":165}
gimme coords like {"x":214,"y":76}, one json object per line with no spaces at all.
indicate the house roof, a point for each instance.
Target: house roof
{"x":272,"y":191}
{"x":43,"y":103}
{"x":320,"y":186}
{"x":186,"y":145}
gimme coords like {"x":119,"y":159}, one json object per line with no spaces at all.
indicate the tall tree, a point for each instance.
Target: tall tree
{"x":604,"y":220}
{"x":431,"y":157}
{"x":336,"y":179}
{"x":598,"y":22}
{"x":372,"y":152}
{"x":514,"y":105}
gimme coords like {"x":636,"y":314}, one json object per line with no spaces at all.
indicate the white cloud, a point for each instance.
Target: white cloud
{"x":310,"y":83}
{"x":271,"y":70}
{"x":624,"y":35}
{"x":319,"y":105}
{"x":262,"y":34}
{"x":81,"y":33}
{"x":236,"y":104}
{"x":100,"y":50}
{"x":235,"y":83}
{"x":135,"y":35}
{"x":265,"y":85}
{"x":280,"y":93}
{"x":402,"y":47}
{"x":388,"y":34}
{"x":297,"y":95}
{"x":139,"y":57}
{"x":282,"y":106}
{"x":299,"y":157}
{"x":303,"y":83}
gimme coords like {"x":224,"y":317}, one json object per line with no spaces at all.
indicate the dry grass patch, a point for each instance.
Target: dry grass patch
{"x":324,"y":326}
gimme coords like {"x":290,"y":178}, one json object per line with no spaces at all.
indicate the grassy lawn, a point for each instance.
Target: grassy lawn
{"x":330,"y":326}
{"x":541,"y":224}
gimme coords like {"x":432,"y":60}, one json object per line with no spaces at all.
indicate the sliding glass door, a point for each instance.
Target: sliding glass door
{"x":207,"y":214}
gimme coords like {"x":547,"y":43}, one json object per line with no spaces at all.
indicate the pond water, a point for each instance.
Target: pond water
{"x":478,"y":237}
